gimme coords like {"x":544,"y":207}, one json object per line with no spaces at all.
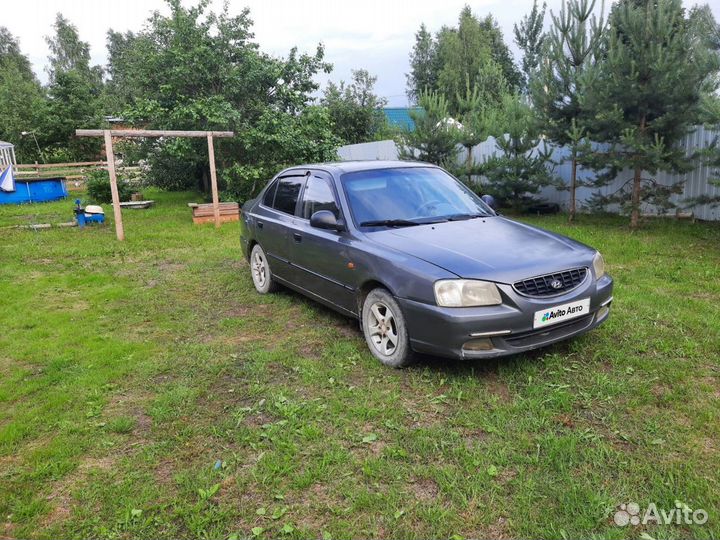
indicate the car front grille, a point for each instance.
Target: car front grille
{"x":542,"y":285}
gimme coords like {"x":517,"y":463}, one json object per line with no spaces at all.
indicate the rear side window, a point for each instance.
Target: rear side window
{"x":270,"y":195}
{"x":287,"y":194}
{"x":318,"y":195}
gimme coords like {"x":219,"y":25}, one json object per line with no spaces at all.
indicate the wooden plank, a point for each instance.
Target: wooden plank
{"x":210,"y":205}
{"x":60,"y":165}
{"x":151,"y":133}
{"x":211,"y":218}
{"x":209,"y":209}
{"x":211,"y":213}
{"x":213,"y":180}
{"x":119,"y":231}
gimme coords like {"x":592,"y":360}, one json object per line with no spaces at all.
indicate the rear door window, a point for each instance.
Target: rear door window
{"x":318,"y":195}
{"x":288,"y":190}
{"x":270,"y":195}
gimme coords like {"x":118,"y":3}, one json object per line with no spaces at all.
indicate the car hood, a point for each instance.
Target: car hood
{"x":494,"y":248}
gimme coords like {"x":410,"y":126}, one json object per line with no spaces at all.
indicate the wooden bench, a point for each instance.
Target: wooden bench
{"x":203,"y":213}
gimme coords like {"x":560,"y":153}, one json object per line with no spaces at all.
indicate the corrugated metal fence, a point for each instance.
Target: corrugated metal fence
{"x":696,"y":182}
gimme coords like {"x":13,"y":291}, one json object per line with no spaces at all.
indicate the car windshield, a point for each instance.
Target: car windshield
{"x":409,"y":196}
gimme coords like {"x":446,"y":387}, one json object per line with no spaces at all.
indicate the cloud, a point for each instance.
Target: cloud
{"x":372,"y":34}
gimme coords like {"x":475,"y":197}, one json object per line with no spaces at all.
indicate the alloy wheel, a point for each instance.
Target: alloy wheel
{"x":383,"y":330}
{"x":259,"y":270}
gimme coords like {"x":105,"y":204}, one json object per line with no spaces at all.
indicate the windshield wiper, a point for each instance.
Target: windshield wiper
{"x":389,"y":223}
{"x":463,"y":217}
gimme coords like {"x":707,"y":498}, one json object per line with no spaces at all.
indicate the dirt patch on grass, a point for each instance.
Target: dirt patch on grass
{"x":6,"y":531}
{"x":60,"y":500}
{"x":498,"y":388}
{"x":315,"y":507}
{"x":8,"y":364}
{"x":424,"y":489}
{"x":170,"y":267}
{"x":131,"y":404}
{"x":498,"y":530}
{"x":104,"y":463}
{"x":252,"y":310}
{"x":60,"y":497}
{"x":474,"y":437}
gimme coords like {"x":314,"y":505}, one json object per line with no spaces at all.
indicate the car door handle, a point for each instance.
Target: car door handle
{"x":297,"y":237}
{"x":260,"y":224}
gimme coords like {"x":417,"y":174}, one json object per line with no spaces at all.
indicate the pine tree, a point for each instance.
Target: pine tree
{"x":521,"y":169}
{"x":644,"y":96}
{"x":529,"y":36}
{"x":500,"y":53}
{"x":572,"y":45}
{"x":423,"y":65}
{"x":478,"y":110}
{"x":434,"y":139}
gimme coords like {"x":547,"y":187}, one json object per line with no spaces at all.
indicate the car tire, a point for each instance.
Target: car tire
{"x":383,"y":325}
{"x":260,"y":272}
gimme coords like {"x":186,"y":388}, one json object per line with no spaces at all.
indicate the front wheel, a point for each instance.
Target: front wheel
{"x":384,"y":327}
{"x":260,"y":271}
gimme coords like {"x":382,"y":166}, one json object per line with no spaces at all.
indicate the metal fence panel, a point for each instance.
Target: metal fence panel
{"x":697,"y":182}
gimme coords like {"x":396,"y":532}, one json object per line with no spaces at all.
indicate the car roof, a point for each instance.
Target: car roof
{"x":341,"y":167}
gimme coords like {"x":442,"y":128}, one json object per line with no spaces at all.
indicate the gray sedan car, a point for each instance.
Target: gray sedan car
{"x":421,"y":261}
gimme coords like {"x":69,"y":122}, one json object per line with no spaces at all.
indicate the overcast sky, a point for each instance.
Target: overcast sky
{"x":371,"y":34}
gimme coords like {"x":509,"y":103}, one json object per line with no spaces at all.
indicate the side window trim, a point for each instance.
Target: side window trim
{"x":276,"y":182}
{"x":327,"y":178}
{"x":272,"y":186}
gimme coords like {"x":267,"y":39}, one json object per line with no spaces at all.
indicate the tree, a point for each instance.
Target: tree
{"x":423,"y":65}
{"x":643,"y":97}
{"x":573,"y":44}
{"x":355,"y":109}
{"x":520,"y":170}
{"x":500,"y":53}
{"x":74,"y":95}
{"x":22,"y":100}
{"x":473,"y":53}
{"x":478,"y":117}
{"x":73,"y":104}
{"x":529,"y":36}
{"x":281,"y":139}
{"x":198,"y":69}
{"x":434,"y":138}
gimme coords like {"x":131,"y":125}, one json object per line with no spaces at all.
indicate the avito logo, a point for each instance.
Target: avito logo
{"x":549,"y":315}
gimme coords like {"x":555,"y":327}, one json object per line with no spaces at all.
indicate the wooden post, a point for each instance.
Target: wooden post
{"x":113,"y":186}
{"x":213,"y":180}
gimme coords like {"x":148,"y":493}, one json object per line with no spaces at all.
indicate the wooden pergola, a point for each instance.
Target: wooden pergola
{"x":110,"y":133}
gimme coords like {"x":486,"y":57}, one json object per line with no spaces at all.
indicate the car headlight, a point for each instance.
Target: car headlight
{"x":598,"y":265}
{"x":466,"y":293}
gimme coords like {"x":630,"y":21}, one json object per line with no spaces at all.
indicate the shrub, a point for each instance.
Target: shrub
{"x":98,"y":187}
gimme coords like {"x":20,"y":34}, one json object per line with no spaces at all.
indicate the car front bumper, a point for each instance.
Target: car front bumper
{"x":509,"y":328}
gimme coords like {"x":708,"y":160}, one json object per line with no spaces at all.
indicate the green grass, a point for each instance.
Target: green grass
{"x":147,"y":391}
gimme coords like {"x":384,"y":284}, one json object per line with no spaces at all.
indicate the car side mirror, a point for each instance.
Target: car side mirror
{"x":325,"y":219}
{"x":490,"y":201}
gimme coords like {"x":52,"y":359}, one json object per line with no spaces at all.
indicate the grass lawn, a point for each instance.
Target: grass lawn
{"x":147,"y":391}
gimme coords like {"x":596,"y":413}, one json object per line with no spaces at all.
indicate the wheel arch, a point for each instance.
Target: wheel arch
{"x":364,"y":289}
{"x":250,"y":245}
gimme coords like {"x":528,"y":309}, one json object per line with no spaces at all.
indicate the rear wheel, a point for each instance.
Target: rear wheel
{"x":384,"y":327}
{"x":260,"y":271}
